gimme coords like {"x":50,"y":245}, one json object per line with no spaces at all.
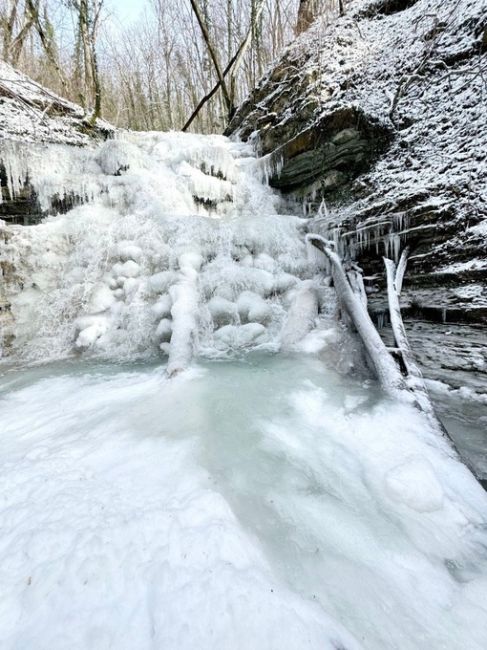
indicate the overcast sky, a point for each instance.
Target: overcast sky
{"x":126,"y":10}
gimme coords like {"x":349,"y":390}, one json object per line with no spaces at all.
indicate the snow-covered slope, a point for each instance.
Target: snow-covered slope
{"x":32,"y":113}
{"x":37,"y":117}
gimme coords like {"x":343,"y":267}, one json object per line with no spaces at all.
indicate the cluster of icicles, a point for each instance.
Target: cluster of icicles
{"x":176,"y":248}
{"x":384,"y":236}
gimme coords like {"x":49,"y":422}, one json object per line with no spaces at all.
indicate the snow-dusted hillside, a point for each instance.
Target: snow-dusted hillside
{"x":31,"y":113}
{"x":33,"y":116}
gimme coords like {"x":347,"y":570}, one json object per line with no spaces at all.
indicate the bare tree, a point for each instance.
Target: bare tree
{"x":44,"y":29}
{"x":15,"y":23}
{"x":88,"y":13}
{"x":231,"y":69}
{"x":310,"y":10}
{"x":156,"y":72}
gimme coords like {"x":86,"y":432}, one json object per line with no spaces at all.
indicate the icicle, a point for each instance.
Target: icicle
{"x":323,"y":212}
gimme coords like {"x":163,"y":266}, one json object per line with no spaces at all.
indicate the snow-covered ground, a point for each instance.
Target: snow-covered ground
{"x":267,"y":504}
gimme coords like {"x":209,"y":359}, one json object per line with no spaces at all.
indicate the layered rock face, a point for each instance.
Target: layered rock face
{"x":377,"y":121}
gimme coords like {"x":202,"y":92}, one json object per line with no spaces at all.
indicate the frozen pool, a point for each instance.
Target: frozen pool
{"x":265,"y":503}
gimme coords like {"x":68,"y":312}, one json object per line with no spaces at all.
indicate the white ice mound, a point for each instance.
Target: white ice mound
{"x":302,"y":314}
{"x":415,"y":484}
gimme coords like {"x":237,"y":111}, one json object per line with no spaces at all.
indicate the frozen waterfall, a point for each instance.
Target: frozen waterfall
{"x":267,"y":498}
{"x":176,"y":248}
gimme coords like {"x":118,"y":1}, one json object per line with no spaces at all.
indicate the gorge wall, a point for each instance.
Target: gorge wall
{"x":376,"y":121}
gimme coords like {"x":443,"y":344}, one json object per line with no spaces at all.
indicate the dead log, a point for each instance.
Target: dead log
{"x":231,"y":70}
{"x":214,"y":57}
{"x":414,"y":376}
{"x":352,"y":302}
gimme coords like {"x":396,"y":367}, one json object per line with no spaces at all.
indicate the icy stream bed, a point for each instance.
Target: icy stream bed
{"x":261,"y":503}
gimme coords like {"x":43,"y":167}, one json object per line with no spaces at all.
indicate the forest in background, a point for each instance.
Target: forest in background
{"x":182,"y":59}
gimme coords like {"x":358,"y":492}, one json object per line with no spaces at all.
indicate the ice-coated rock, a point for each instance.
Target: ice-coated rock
{"x":253,"y":308}
{"x":239,"y":336}
{"x":127,"y":250}
{"x":160,"y":282}
{"x":164,"y":330}
{"x":101,"y":299}
{"x":223,"y":312}
{"x":162,"y":308}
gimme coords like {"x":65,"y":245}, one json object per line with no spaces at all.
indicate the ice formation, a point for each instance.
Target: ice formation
{"x":174,"y":247}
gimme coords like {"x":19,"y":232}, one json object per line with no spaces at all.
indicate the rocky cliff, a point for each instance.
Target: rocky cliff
{"x":377,"y":123}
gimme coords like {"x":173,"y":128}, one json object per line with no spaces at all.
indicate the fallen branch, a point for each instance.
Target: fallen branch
{"x":213,"y":55}
{"x":212,"y":92}
{"x":413,"y":374}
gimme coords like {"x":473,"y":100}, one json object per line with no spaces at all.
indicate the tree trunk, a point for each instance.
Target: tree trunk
{"x":206,"y":36}
{"x":47,"y":42}
{"x":385,"y":368}
{"x":232,"y":67}
{"x":307,"y":13}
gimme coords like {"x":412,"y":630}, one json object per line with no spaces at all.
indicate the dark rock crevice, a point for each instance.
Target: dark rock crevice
{"x":24,"y":208}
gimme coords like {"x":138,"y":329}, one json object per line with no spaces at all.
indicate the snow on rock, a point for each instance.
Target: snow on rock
{"x":101,"y":299}
{"x":233,"y":337}
{"x":31,"y":113}
{"x":302,"y":314}
{"x":223,"y":312}
{"x":252,"y":307}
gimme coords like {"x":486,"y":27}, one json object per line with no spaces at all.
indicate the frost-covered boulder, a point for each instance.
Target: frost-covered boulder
{"x":253,"y":308}
{"x":117,"y":156}
{"x":239,"y":336}
{"x":223,"y":312}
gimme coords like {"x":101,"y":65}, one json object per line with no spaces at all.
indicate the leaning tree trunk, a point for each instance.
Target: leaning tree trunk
{"x":231,"y":69}
{"x":352,"y":302}
{"x":404,"y":382}
{"x":399,"y":377}
{"x":213,"y":55}
{"x":307,"y":13}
